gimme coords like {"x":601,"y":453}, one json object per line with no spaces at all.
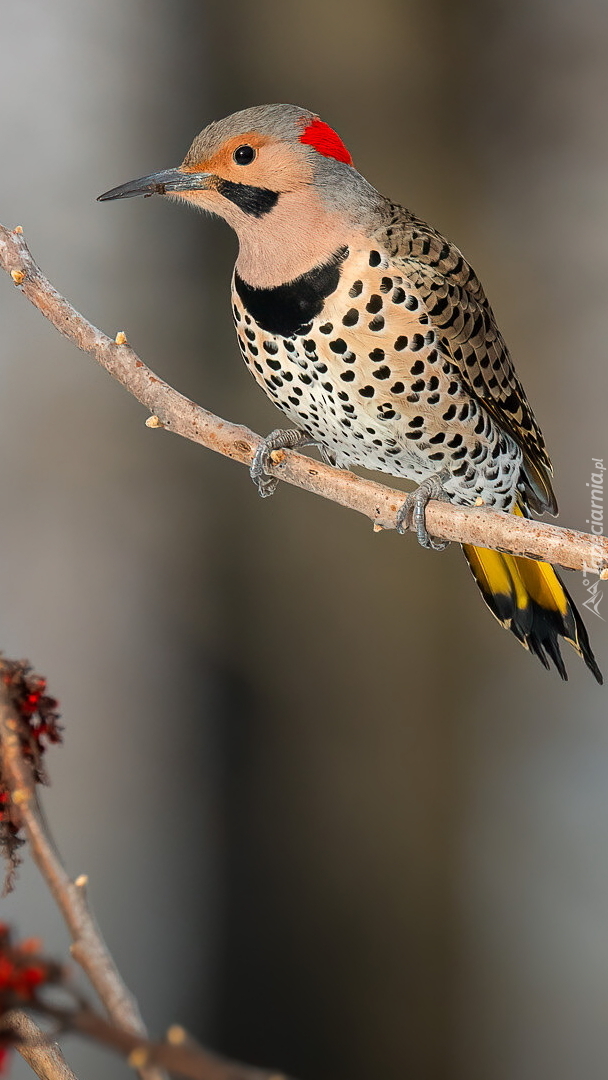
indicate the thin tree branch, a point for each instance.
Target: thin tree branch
{"x":179,"y":1054}
{"x":42,"y":1055}
{"x":124,"y":1031}
{"x":88,"y":947}
{"x":486,"y":528}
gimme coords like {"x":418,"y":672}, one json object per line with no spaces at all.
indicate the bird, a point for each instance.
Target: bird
{"x":372,"y":333}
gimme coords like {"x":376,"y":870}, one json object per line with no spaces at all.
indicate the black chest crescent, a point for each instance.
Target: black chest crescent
{"x":286,"y":309}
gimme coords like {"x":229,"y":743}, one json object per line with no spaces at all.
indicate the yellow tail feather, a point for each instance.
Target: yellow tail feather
{"x":528,"y":598}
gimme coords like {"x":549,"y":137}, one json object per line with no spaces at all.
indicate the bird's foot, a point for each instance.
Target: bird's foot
{"x":277,"y":440}
{"x":413,"y":512}
{"x":328,"y":456}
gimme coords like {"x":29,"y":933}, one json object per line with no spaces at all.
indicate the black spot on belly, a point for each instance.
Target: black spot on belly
{"x":374,"y":304}
{"x":285,"y":309}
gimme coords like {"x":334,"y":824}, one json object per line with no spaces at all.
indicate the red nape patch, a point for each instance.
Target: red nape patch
{"x":326,"y":141}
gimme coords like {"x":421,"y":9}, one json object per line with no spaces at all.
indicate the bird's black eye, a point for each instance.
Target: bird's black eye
{"x":244,"y":155}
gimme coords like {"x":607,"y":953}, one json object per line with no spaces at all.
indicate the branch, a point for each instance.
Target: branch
{"x":178,"y":1054}
{"x":171,"y":410}
{"x":123,"y":1030}
{"x":42,"y":1055}
{"x":88,"y":947}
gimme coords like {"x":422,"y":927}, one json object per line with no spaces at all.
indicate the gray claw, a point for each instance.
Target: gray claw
{"x":277,"y":440}
{"x":328,"y":456}
{"x":412,"y":513}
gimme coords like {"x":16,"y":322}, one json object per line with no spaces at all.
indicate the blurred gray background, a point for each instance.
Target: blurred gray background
{"x":335,"y":820}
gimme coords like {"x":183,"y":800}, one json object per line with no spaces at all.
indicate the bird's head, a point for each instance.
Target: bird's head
{"x":278,"y":174}
{"x":248,"y":161}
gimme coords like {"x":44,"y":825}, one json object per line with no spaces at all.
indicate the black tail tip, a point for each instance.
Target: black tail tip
{"x":542,"y":638}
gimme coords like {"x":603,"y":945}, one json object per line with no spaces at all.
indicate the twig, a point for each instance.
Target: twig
{"x":124,"y":1031}
{"x":178,"y":1054}
{"x":41,"y":1054}
{"x":171,"y":410}
{"x":88,"y":947}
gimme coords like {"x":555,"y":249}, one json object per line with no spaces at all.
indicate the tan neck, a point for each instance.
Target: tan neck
{"x":296,"y":235}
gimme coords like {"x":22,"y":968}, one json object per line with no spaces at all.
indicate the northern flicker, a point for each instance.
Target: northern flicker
{"x":372,"y":333}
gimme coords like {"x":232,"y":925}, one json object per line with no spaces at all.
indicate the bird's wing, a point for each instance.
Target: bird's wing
{"x":464,"y":322}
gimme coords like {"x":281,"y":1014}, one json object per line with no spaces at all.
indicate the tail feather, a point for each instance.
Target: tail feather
{"x":529,"y":598}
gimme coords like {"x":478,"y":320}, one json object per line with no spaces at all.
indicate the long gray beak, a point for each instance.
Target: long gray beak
{"x":160,"y":183}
